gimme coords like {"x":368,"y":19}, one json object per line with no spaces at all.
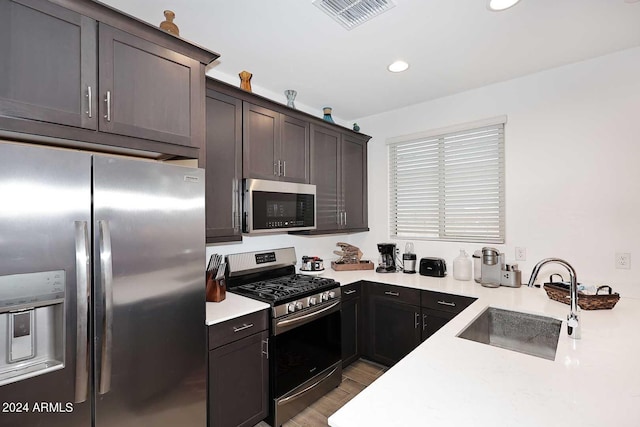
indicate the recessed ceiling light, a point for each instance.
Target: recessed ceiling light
{"x":398,"y":67}
{"x":498,"y":5}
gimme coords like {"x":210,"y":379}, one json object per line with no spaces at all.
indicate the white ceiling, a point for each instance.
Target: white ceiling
{"x":451,"y":45}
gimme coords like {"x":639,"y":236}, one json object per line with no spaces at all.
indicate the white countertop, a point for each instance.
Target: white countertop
{"x":449,"y":381}
{"x":231,"y":307}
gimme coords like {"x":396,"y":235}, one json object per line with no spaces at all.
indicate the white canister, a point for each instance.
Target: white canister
{"x":462,"y":266}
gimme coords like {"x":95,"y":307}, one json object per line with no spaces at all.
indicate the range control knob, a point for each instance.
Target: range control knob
{"x":324,"y":296}
{"x":332,"y":294}
{"x":291,"y":307}
{"x":313,"y":301}
{"x":299,"y":305}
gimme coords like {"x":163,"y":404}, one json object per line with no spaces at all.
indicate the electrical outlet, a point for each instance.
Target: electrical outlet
{"x":521,"y":254}
{"x":623,"y":260}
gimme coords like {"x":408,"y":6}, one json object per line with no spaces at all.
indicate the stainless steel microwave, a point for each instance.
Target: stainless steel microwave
{"x":272,"y":206}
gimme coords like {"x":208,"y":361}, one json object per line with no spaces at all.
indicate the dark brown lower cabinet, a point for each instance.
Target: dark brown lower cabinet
{"x":239,"y":372}
{"x":432,"y":320}
{"x":352,"y":322}
{"x":395,"y":320}
{"x":438,"y":308}
{"x":394,"y":329}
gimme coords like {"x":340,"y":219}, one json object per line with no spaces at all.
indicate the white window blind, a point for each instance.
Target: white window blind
{"x":448,"y":186}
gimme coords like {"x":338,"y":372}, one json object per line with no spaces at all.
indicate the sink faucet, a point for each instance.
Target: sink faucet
{"x":573,"y":323}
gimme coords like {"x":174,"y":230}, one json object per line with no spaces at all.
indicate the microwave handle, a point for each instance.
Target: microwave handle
{"x":238,"y":206}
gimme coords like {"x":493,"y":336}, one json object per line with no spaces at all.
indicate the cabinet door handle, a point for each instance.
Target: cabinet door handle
{"x":393,"y":294}
{"x":276,"y":168}
{"x":89,"y":102}
{"x":235,"y":217}
{"x":450,"y":304}
{"x":243,"y":327}
{"x":265,"y":347}
{"x":107,"y":100}
{"x":284,"y":168}
{"x":417,"y":321}
{"x":352,"y":291}
{"x":424,"y":322}
{"x":345,"y":217}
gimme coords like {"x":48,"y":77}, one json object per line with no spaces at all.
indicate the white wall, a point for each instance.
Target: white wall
{"x":572,"y":165}
{"x":572,"y":170}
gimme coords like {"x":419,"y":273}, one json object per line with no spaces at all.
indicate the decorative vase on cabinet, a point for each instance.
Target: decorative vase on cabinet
{"x":327,"y":115}
{"x":291,"y":96}
{"x":245,"y":80}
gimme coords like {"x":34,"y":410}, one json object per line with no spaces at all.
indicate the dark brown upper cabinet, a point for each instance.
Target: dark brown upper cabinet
{"x":76,"y":72}
{"x":223,"y":168}
{"x":354,"y":182}
{"x":148,"y":91}
{"x":48,"y":67}
{"x":326,"y":174}
{"x":339,"y":171}
{"x":276,"y":146}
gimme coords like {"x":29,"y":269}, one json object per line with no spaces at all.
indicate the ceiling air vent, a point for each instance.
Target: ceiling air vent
{"x":351,"y":13}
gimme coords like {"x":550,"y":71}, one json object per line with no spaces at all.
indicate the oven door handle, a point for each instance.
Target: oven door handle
{"x":306,"y":389}
{"x":288,"y":323}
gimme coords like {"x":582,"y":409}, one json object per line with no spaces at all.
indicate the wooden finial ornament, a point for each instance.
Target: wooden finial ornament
{"x":245,"y":80}
{"x":168,"y":24}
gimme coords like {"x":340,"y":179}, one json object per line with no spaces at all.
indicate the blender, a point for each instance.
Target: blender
{"x":409,"y":259}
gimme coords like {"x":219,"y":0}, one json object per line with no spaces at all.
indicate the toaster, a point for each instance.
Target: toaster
{"x":435,"y":267}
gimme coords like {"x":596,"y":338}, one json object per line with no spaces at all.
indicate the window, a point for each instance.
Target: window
{"x":448,"y":184}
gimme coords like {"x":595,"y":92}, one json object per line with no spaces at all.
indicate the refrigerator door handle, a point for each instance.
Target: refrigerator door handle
{"x":82,"y":315}
{"x":106,"y":279}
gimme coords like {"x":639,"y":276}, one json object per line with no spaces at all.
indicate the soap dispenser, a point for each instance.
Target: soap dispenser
{"x":462,"y":266}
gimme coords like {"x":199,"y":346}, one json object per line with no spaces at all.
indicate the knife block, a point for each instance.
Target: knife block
{"x":216,"y":289}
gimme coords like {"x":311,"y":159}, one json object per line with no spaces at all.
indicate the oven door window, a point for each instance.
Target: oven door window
{"x":305,"y":351}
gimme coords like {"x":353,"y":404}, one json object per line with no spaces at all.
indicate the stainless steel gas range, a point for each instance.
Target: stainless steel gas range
{"x":305,"y":332}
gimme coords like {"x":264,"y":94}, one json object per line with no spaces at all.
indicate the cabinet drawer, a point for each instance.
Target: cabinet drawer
{"x":235,"y":329}
{"x":396,"y":293}
{"x":445,"y":302}
{"x":351,"y":291}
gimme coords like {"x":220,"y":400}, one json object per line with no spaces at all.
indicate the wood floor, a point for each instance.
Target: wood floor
{"x":355,"y":378}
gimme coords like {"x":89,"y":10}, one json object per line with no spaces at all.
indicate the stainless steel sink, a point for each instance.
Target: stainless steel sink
{"x":513,"y":330}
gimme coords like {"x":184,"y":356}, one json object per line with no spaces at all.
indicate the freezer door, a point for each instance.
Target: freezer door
{"x":45,"y":202}
{"x":149,"y":294}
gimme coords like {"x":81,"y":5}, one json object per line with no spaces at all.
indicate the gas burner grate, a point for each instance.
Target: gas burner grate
{"x":280,"y":288}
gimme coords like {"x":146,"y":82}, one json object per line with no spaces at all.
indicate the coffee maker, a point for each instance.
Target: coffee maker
{"x":387,"y":258}
{"x":496,"y":272}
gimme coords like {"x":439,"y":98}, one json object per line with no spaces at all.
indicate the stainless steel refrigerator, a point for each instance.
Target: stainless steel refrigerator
{"x":101,"y":290}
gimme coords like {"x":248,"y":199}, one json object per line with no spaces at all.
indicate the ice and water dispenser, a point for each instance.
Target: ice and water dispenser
{"x":32,"y":334}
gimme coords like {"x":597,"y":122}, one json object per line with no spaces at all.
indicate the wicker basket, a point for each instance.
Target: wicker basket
{"x":586,"y":302}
